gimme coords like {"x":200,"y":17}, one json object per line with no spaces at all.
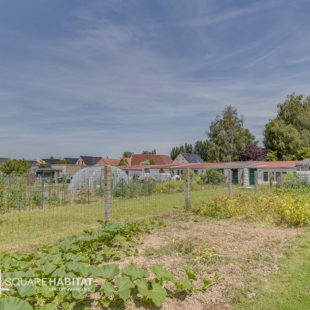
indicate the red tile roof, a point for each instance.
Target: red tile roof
{"x":109,"y":161}
{"x":137,"y":159}
{"x":275,"y":164}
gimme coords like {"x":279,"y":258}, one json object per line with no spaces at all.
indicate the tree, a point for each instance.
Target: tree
{"x":152,"y":162}
{"x":127,"y":154}
{"x":15,"y":166}
{"x":253,"y":152}
{"x":201,"y":148}
{"x":227,"y":136}
{"x":153,"y":152}
{"x":123,"y":162}
{"x":186,"y":148}
{"x":303,"y":153}
{"x":290,"y":130}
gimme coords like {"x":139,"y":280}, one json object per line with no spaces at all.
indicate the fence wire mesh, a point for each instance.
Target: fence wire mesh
{"x":38,"y":211}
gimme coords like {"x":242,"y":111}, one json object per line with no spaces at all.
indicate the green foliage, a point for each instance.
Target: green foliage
{"x":200,"y":148}
{"x":228,"y":137}
{"x":290,"y":130}
{"x":152,"y":162}
{"x":303,"y":153}
{"x":127,"y":154}
{"x":123,"y":162}
{"x":272,"y":156}
{"x":280,"y":207}
{"x":153,"y":152}
{"x":82,"y":257}
{"x":212,"y":176}
{"x":15,"y":166}
{"x":293,"y":182}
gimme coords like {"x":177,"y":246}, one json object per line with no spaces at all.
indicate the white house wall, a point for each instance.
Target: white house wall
{"x":260,"y":173}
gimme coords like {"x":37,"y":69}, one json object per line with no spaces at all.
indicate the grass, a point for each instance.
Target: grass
{"x":29,"y":230}
{"x":290,"y":288}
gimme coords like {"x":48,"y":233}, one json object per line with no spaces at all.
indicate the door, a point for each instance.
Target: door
{"x":252,"y":176}
{"x":235,"y":176}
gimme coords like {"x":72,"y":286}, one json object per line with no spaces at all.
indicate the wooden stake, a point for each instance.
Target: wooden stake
{"x":187,"y":198}
{"x":229,"y":182}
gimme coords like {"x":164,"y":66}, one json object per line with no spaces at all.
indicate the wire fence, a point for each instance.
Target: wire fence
{"x":38,"y":211}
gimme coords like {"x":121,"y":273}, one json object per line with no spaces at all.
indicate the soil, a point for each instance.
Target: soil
{"x":240,"y":254}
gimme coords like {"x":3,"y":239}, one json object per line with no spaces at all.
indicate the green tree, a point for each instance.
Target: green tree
{"x":303,"y":153}
{"x":201,"y":148}
{"x":149,"y":152}
{"x":152,"y":162}
{"x":186,"y":148}
{"x":15,"y":166}
{"x":290,"y":130}
{"x":123,"y":162}
{"x":127,"y":154}
{"x":227,"y":136}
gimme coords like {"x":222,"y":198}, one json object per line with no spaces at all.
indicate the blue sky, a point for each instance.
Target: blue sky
{"x":103,"y":77}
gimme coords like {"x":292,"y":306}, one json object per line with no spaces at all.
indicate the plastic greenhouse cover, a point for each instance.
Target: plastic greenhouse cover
{"x":90,"y":177}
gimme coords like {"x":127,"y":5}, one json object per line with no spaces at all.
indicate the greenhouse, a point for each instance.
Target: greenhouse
{"x":90,"y":177}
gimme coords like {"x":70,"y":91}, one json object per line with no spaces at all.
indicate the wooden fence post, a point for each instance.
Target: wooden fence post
{"x":256,"y":182}
{"x":187,"y":198}
{"x":102,"y":178}
{"x":107,"y":192}
{"x":229,"y":182}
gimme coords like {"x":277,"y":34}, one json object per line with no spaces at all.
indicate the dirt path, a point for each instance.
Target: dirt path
{"x":239,"y":253}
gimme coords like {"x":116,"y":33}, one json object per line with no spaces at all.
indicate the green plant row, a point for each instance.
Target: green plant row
{"x":279,"y":207}
{"x":85,"y":257}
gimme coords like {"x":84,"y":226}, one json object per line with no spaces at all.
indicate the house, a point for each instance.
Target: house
{"x":34,"y":165}
{"x":85,"y":161}
{"x":271,"y":171}
{"x":73,"y":160}
{"x":196,"y":168}
{"x":240,"y":171}
{"x":51,"y":161}
{"x":108,"y":161}
{"x":138,"y":159}
{"x":303,"y":165}
{"x":187,"y":158}
{"x":3,"y":160}
{"x":156,"y":172}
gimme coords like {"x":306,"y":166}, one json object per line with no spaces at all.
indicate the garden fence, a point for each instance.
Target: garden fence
{"x":34,"y":212}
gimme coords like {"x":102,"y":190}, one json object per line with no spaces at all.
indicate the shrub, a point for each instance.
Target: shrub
{"x":278,"y":207}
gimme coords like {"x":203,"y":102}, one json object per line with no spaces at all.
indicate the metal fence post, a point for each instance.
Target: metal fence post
{"x":42,"y":193}
{"x":187,"y":198}
{"x":107,"y":192}
{"x":229,"y":182}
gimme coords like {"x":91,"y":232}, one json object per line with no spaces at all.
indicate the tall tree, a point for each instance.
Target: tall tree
{"x":290,"y":130}
{"x":186,"y":148}
{"x":227,"y":136}
{"x":201,"y":148}
{"x":127,"y":154}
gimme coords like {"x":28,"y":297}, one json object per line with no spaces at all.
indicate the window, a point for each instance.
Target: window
{"x":266,"y":176}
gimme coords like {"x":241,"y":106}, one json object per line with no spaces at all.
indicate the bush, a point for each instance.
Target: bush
{"x":278,"y":208}
{"x":212,"y":176}
{"x":292,"y":181}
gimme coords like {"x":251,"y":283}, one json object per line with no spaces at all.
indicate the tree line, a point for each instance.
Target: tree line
{"x":286,"y":137}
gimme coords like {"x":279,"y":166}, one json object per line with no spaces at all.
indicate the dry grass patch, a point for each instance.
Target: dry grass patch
{"x":239,"y":254}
